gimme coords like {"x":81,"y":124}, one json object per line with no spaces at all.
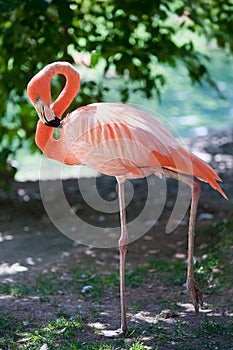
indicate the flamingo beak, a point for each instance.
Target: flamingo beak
{"x":46,"y":114}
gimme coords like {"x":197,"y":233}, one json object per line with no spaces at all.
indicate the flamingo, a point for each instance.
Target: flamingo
{"x":121,"y":141}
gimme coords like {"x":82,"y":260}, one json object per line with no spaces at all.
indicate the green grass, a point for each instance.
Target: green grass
{"x":216,"y":261}
{"x":14,"y":290}
{"x":213,"y":271}
{"x":10,"y":330}
{"x":61,"y":333}
{"x":212,"y":327}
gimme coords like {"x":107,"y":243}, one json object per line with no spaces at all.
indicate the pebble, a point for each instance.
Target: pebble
{"x":86,"y":289}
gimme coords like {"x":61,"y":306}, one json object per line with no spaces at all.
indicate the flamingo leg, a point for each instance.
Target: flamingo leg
{"x":192,"y":285}
{"x":122,"y":243}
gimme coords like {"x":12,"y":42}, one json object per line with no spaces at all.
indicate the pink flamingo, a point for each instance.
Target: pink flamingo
{"x":121,"y":141}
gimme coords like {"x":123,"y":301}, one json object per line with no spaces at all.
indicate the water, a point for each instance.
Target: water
{"x":193,"y":109}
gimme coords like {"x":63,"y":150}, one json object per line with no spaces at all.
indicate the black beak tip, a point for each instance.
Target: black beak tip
{"x":55,"y":123}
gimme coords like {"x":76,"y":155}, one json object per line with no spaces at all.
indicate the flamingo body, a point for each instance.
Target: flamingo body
{"x":120,"y":140}
{"x":117,"y":140}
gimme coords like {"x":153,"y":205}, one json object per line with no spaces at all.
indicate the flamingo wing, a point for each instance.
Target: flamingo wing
{"x":120,"y":140}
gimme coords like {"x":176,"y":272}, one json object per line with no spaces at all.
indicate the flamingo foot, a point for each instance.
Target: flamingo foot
{"x":114,"y":333}
{"x":195,"y":293}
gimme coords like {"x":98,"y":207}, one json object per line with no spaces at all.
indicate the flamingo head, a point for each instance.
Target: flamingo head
{"x":46,"y":114}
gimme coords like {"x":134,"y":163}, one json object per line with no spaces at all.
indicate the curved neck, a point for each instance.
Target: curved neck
{"x":70,"y":90}
{"x":39,"y":86}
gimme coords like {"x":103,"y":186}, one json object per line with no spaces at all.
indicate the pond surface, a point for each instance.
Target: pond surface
{"x":192,"y":109}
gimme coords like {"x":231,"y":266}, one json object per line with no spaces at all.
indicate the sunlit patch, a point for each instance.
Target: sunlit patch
{"x":5,"y":237}
{"x":6,"y":269}
{"x":5,"y":297}
{"x":97,"y":325}
{"x":143,"y":316}
{"x":30,"y":261}
{"x":188,"y":307}
{"x":180,"y":256}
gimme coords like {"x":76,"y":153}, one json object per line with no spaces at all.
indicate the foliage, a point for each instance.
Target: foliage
{"x":130,"y":38}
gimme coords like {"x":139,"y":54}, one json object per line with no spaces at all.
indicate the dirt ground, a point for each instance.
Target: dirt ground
{"x":29,"y":242}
